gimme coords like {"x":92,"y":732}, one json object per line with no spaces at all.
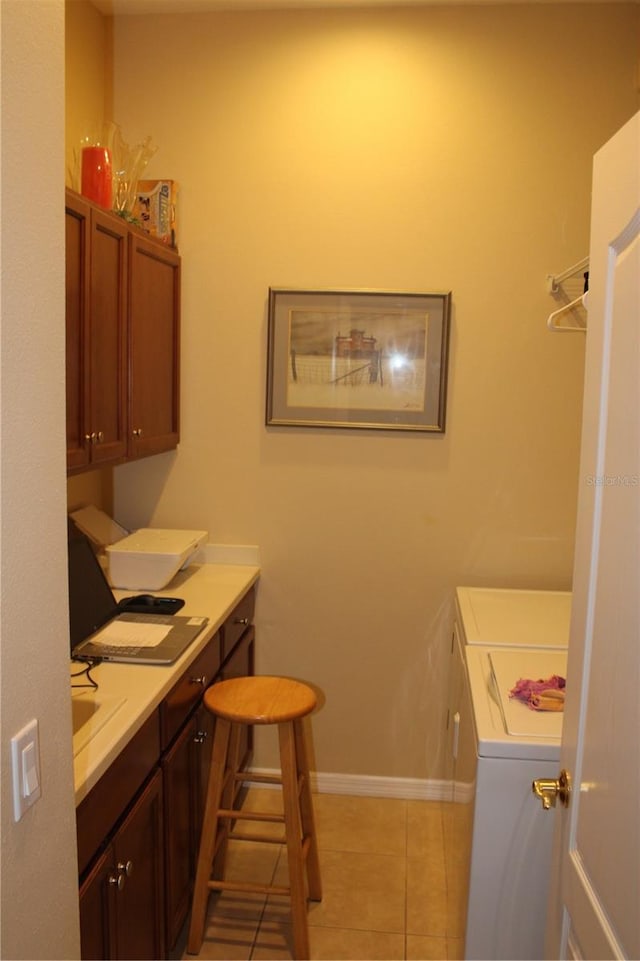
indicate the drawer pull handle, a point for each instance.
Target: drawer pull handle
{"x":242,"y":620}
{"x":200,"y":737}
{"x":200,"y":680}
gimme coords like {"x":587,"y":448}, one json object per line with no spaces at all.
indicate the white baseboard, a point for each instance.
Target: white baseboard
{"x":362,"y":785}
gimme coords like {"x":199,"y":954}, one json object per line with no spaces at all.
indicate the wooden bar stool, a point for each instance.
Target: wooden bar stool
{"x":258,"y":700}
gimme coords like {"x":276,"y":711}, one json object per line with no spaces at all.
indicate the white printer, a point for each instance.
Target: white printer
{"x":145,"y":560}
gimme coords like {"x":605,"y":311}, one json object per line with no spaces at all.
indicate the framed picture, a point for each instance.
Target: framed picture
{"x":357,"y":358}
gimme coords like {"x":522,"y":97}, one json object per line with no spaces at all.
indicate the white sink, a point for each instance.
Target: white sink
{"x":89,"y":713}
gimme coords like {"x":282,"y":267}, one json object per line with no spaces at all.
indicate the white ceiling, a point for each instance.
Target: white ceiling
{"x":134,"y":7}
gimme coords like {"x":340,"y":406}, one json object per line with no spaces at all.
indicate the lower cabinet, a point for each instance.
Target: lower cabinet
{"x":122,"y":899}
{"x":136,"y":883}
{"x":179,"y":816}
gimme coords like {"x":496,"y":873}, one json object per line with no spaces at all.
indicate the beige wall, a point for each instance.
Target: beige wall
{"x":88,"y":79}
{"x":417,"y":149}
{"x":39,"y":863}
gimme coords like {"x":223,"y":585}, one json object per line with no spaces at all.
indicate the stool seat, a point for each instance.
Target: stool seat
{"x":260,"y":700}
{"x":237,"y":703}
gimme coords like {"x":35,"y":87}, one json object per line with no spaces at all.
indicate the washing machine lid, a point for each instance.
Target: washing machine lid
{"x":511,"y":618}
{"x":493,"y":738}
{"x":508,"y":667}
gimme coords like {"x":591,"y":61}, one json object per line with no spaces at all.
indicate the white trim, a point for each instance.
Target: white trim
{"x":363,"y":785}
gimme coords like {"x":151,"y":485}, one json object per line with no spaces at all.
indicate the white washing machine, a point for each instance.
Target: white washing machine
{"x":498,"y":838}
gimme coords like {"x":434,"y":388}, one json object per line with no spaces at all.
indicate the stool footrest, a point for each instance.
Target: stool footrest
{"x":248,"y":887}
{"x":248,"y":836}
{"x":249,"y":815}
{"x":252,"y":778}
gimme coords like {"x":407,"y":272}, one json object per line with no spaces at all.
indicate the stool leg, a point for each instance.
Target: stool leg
{"x":306,"y":814}
{"x":208,"y":837}
{"x":227,"y":798}
{"x":293,"y":830}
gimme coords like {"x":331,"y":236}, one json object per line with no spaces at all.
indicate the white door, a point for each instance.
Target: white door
{"x":595,"y":900}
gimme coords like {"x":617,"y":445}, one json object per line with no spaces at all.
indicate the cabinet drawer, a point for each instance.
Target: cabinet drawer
{"x":187,"y":692}
{"x":106,"y":802}
{"x":238,"y":621}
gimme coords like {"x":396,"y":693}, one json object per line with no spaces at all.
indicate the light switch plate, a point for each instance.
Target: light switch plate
{"x":25,"y":763}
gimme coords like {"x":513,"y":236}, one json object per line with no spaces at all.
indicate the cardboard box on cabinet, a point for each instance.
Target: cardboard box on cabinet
{"x":156,"y":202}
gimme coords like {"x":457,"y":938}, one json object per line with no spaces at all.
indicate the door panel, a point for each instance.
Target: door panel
{"x":108,"y":376}
{"x":594,"y":904}
{"x":154,"y":347}
{"x":140,"y":904}
{"x":77,"y":220}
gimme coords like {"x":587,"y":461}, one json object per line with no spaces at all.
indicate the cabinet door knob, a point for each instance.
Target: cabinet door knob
{"x":200,"y":737}
{"x":137,"y":431}
{"x":90,"y":438}
{"x":242,"y":620}
{"x":125,"y":867}
{"x":199,"y":680}
{"x":99,"y":437}
{"x":117,"y":880}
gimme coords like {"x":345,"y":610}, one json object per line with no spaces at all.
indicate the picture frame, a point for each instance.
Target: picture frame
{"x":364,"y":359}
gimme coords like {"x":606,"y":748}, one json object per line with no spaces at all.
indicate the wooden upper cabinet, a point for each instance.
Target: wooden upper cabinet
{"x":123,"y":332}
{"x":154,"y":332}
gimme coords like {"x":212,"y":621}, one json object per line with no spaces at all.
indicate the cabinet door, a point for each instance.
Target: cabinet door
{"x":77,"y":229}
{"x":97,"y":914}
{"x":121,"y":900}
{"x":107,"y":424}
{"x":138,"y":855}
{"x":240,"y":664}
{"x":180,"y":785}
{"x":205,"y":725}
{"x":154,"y":315}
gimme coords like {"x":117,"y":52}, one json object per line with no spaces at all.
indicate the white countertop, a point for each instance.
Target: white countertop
{"x":136,"y":690}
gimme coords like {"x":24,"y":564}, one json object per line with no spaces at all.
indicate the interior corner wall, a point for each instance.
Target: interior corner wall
{"x":88,"y":78}
{"x":416,"y":148}
{"x":39,"y":866}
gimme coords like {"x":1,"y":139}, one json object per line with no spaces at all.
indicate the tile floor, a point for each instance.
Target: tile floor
{"x":384,"y":887}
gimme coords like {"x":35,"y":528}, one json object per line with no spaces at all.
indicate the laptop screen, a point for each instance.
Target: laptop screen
{"x":91,"y":601}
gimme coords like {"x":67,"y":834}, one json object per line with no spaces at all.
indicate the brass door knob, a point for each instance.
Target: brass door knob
{"x":548,"y":789}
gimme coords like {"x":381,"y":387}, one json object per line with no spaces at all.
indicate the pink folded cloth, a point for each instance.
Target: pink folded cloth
{"x":541,"y":695}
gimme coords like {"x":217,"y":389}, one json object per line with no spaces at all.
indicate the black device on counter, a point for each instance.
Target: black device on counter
{"x":150,"y":604}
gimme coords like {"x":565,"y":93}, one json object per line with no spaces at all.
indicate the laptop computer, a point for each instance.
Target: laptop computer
{"x":98,"y":628}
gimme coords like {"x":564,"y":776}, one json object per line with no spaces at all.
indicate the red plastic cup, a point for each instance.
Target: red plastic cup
{"x":96,"y":175}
